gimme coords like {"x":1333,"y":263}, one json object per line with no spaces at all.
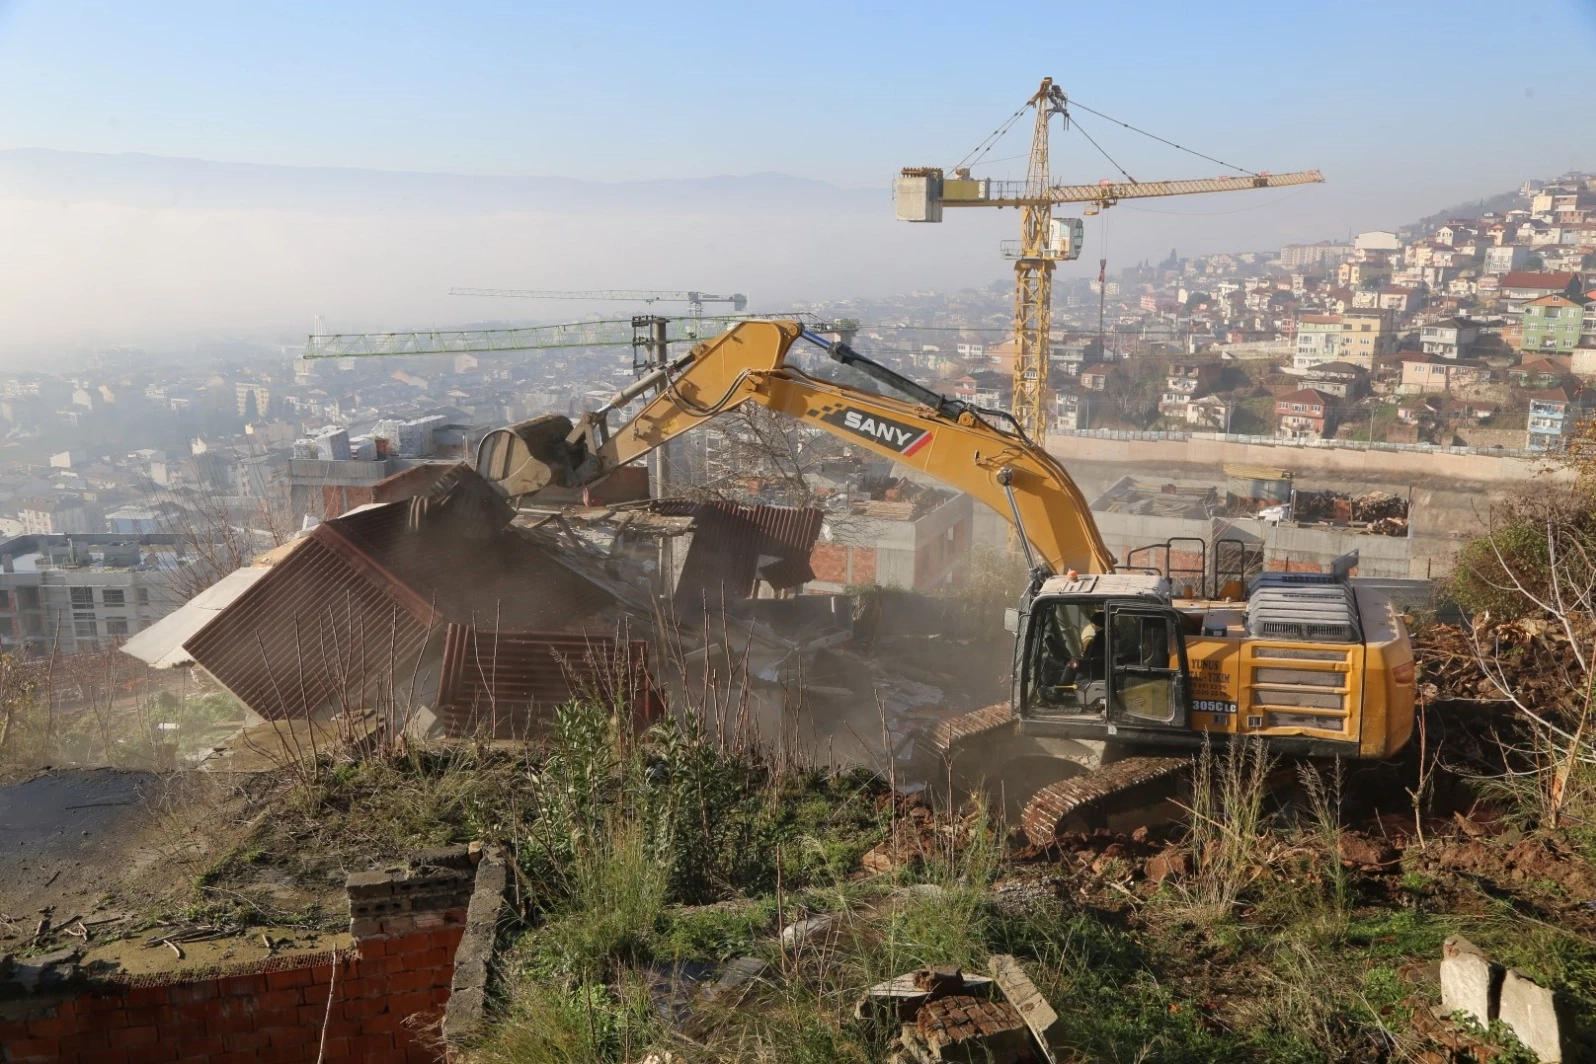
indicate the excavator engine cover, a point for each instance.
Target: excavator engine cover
{"x":529,"y":455}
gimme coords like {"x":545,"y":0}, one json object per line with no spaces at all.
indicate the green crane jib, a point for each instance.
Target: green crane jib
{"x":609,"y":332}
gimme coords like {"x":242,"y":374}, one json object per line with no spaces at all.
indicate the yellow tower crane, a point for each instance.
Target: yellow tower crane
{"x":922,"y":192}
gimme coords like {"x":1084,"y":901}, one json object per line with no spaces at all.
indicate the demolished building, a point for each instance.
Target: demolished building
{"x":446,"y":613}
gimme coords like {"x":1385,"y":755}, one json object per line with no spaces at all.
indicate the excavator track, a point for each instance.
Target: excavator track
{"x":1084,"y":800}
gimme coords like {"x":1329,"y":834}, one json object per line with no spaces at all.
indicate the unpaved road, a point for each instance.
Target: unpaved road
{"x":67,"y":836}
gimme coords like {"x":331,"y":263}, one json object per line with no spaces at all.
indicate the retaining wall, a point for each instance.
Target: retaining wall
{"x":381,"y":999}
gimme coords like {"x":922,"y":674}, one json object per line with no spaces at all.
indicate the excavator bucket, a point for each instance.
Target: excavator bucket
{"x":529,"y":455}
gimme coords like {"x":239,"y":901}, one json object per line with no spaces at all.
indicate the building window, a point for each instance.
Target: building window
{"x":82,"y":596}
{"x":113,"y":597}
{"x":116,"y":626}
{"x":84,"y":629}
{"x":142,"y":596}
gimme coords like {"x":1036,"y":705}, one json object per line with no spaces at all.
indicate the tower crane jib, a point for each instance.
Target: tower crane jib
{"x":921,"y":193}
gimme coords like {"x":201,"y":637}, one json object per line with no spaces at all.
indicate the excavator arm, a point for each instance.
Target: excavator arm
{"x":941,"y":438}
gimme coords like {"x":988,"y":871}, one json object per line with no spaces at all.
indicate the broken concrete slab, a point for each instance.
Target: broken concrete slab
{"x":734,"y":980}
{"x":810,"y":929}
{"x":1469,"y":980}
{"x":1530,"y":1010}
{"x":473,"y":957}
{"x":1033,"y":1008}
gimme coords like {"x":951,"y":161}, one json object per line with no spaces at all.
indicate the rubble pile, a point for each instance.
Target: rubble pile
{"x":916,"y":834}
{"x":1319,"y":506}
{"x":896,"y":498}
{"x":947,"y":1015}
{"x":1378,"y":506}
{"x":1531,"y":656}
{"x":1383,"y":513}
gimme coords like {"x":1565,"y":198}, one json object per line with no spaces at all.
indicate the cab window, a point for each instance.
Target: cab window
{"x":1066,"y":651}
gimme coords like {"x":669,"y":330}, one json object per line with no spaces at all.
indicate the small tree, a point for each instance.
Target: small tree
{"x":1530,"y":585}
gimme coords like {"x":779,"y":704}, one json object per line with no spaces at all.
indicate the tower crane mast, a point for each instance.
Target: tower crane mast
{"x":922,"y":192}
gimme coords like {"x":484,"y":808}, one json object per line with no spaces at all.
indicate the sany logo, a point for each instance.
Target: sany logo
{"x":905,"y":439}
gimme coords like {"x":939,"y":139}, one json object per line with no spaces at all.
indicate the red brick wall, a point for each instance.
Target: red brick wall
{"x":334,"y":502}
{"x":386,"y":1002}
{"x":830,"y":562}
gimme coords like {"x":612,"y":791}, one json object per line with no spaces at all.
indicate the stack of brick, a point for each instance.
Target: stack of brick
{"x":432,"y":893}
{"x":948,"y":1017}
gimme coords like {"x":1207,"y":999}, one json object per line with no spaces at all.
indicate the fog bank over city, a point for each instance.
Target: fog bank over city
{"x":165,"y":252}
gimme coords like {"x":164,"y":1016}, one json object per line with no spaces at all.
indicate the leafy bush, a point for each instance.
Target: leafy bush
{"x":1509,"y":571}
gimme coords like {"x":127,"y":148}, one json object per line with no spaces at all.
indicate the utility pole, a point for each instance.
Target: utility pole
{"x":1102,"y":300}
{"x":649,"y":331}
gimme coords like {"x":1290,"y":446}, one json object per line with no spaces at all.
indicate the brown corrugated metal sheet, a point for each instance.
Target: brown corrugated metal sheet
{"x":350,"y":608}
{"x":729,"y":541}
{"x":508,"y":683}
{"x":314,"y":630}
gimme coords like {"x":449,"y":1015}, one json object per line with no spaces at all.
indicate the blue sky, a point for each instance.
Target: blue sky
{"x":1374,"y":93}
{"x":1406,"y":107}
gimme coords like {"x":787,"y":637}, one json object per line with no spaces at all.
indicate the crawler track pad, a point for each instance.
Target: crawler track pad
{"x":1082,"y":801}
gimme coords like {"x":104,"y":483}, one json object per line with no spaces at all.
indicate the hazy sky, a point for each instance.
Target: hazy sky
{"x":1405,"y":106}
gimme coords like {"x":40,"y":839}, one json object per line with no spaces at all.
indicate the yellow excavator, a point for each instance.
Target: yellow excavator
{"x":1116,"y":679}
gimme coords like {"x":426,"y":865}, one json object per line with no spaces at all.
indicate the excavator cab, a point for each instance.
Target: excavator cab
{"x":1106,"y":652}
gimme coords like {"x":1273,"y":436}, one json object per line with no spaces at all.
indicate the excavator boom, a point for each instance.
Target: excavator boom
{"x":1306,"y":662}
{"x":958,"y":445}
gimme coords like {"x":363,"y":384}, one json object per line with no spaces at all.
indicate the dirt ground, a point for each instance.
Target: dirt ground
{"x":88,"y":856}
{"x":67,"y":837}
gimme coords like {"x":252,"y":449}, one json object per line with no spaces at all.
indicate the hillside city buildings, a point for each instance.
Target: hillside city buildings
{"x":123,"y":473}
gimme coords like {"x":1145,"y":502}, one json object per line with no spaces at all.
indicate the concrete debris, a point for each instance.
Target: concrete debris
{"x":1476,"y":987}
{"x":808,"y":930}
{"x":1338,"y":508}
{"x":1530,"y":1010}
{"x":1470,"y":983}
{"x":901,"y":998}
{"x":734,"y":980}
{"x":1033,"y":1008}
{"x":473,"y":957}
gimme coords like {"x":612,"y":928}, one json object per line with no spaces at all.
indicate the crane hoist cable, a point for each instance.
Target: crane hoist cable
{"x":1161,"y":140}
{"x":975,"y":154}
{"x":1104,"y":153}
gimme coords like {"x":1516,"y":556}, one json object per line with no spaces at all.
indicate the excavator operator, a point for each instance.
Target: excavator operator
{"x":1087,"y":665}
{"x":1072,"y":653}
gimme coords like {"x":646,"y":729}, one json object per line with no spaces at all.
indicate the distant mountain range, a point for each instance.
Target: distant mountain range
{"x":162,"y":182}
